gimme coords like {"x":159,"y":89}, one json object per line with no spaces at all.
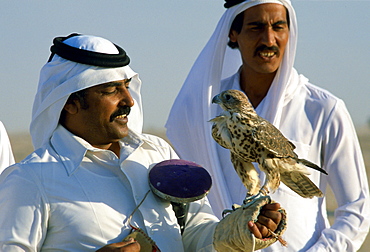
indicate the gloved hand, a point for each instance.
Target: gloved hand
{"x":232,"y":232}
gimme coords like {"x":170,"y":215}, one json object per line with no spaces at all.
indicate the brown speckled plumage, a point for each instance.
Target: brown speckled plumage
{"x":250,"y":138}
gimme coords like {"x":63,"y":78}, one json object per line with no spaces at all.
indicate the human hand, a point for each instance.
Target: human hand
{"x":268,"y":219}
{"x":232,"y":234}
{"x":125,"y":246}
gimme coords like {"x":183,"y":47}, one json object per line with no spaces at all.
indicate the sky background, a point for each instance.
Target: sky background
{"x":164,"y":37}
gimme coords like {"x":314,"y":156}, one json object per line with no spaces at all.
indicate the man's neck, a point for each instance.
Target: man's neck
{"x":255,"y":85}
{"x":115,"y":147}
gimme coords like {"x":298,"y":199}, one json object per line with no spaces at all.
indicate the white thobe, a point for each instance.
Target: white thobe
{"x":70,"y":196}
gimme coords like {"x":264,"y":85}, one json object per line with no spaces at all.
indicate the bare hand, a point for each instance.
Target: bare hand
{"x":269,"y":218}
{"x":125,"y":246}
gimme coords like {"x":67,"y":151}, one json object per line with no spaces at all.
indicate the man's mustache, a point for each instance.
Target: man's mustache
{"x":125,"y":110}
{"x":267,"y":48}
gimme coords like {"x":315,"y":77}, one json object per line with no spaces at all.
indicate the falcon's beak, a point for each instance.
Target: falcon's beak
{"x":216,"y":99}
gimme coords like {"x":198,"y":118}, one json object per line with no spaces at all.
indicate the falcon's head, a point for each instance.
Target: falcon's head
{"x":234,"y":101}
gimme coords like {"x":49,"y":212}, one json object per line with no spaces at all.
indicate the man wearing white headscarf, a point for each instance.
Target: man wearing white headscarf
{"x":6,"y":153}
{"x":313,"y":119}
{"x":85,"y":187}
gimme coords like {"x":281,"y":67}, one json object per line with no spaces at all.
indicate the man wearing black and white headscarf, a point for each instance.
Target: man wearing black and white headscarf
{"x":85,"y":187}
{"x":313,"y":119}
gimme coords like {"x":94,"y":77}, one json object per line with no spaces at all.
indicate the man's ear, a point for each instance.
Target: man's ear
{"x":233,"y":36}
{"x":72,"y":107}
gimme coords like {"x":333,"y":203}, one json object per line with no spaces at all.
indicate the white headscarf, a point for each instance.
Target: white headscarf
{"x":60,"y":77}
{"x":188,"y":128}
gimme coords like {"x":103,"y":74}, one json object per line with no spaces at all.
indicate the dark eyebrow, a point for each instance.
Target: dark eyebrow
{"x":281,"y":22}
{"x":258,"y":23}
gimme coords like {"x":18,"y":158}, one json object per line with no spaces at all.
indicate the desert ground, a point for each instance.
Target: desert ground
{"x":22,"y":146}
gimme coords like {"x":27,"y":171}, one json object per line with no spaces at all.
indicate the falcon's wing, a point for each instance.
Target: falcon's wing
{"x":272,"y":139}
{"x":220,"y":132}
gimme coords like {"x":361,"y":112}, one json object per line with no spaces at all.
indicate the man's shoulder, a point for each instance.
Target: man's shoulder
{"x":33,"y":165}
{"x":321,"y":95}
{"x":159,"y":145}
{"x":322,"y":101}
{"x":156,"y":140}
{"x":41,"y":157}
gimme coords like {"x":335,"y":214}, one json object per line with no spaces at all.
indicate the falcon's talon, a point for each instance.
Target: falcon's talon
{"x":235,"y":206}
{"x":227,"y":211}
{"x":249,"y":200}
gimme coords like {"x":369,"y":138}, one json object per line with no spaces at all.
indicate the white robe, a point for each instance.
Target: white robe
{"x":314,"y":120}
{"x":70,"y":196}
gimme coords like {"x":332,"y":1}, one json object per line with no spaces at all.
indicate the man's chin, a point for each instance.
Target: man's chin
{"x":123,"y":133}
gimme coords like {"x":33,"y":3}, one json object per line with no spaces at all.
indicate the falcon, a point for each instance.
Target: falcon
{"x":250,"y":138}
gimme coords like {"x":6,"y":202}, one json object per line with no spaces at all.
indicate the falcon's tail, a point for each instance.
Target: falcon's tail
{"x":311,"y":165}
{"x":301,"y":184}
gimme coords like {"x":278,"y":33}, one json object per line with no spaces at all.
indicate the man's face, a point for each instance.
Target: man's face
{"x":263,"y":38}
{"x":104,"y":121}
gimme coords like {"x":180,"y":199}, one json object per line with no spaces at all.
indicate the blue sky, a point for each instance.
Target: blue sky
{"x":164,"y":37}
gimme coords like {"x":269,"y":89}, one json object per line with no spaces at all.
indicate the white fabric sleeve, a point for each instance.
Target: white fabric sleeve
{"x":6,"y":154}
{"x":199,"y":227}
{"x":347,"y":178}
{"x":23,"y":218}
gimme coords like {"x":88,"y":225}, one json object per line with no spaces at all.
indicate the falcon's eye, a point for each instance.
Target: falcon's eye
{"x":227,"y":97}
